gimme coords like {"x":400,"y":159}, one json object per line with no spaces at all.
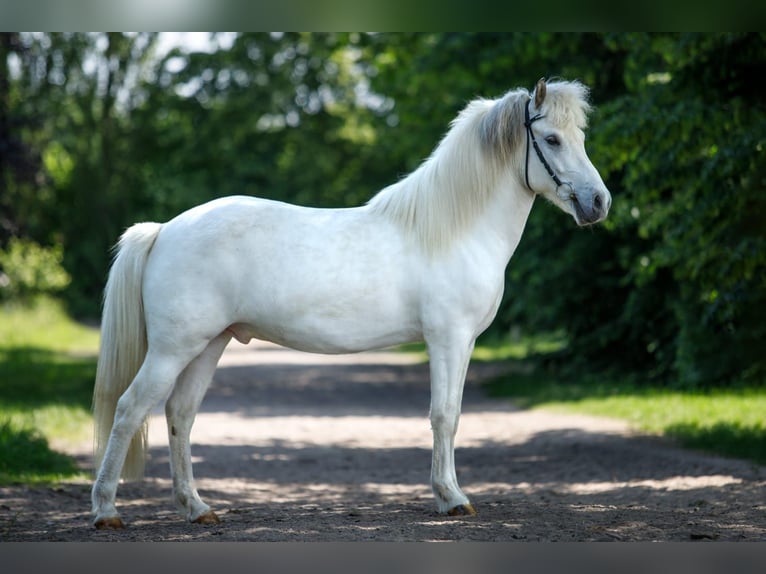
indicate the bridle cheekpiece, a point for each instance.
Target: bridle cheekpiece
{"x":528,"y":124}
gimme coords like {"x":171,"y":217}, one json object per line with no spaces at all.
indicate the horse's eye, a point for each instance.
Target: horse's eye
{"x":553,"y":141}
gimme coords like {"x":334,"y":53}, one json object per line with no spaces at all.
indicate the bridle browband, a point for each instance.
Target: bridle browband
{"x":528,"y":124}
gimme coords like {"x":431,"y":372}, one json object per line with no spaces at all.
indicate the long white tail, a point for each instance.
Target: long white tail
{"x":123,"y":342}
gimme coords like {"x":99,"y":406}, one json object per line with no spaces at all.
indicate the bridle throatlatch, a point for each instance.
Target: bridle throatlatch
{"x":528,"y":124}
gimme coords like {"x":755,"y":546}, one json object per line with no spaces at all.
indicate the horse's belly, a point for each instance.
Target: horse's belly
{"x":318,"y":333}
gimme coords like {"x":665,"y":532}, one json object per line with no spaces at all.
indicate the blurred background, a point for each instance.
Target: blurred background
{"x":102,"y":130}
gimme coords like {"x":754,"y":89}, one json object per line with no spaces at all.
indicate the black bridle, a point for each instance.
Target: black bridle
{"x":528,"y":124}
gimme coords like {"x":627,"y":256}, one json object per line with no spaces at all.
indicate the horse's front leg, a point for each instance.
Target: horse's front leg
{"x":449,"y":364}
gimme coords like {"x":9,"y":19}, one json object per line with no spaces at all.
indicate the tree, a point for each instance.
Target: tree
{"x":20,"y":161}
{"x":671,"y":287}
{"x":77,"y":87}
{"x":687,"y":142}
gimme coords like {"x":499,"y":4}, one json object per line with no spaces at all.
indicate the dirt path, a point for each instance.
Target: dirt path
{"x":295,"y":447}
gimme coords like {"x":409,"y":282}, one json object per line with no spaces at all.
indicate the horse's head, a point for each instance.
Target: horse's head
{"x":556,"y":165}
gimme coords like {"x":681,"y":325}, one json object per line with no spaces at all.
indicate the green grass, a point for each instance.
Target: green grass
{"x":26,"y":457}
{"x":44,"y":324}
{"x":517,"y":348}
{"x":500,"y":349}
{"x":725,"y":421}
{"x":47,"y":367}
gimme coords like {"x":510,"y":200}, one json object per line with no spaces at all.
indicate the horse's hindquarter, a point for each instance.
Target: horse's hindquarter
{"x":313,"y":279}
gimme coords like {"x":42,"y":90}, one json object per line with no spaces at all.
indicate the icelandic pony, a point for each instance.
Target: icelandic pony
{"x":423,"y":260}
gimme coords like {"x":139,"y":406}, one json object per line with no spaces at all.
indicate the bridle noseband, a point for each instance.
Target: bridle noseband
{"x":528,"y":124}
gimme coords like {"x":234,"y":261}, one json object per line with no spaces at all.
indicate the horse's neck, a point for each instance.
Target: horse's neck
{"x":502,"y":222}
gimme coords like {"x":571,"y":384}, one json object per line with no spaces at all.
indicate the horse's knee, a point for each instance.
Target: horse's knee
{"x":444,"y":423}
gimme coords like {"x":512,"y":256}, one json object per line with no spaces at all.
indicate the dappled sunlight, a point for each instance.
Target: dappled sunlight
{"x":679,"y":483}
{"x":670,"y":484}
{"x":317,"y":451}
{"x":303,"y":431}
{"x":266,"y":353}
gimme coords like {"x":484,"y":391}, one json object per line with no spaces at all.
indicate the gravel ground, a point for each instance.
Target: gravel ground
{"x":296,"y":447}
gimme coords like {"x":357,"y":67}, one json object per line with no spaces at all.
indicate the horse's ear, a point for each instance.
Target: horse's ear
{"x":540,"y":91}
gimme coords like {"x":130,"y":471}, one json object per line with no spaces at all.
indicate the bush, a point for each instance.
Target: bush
{"x":28,"y":269}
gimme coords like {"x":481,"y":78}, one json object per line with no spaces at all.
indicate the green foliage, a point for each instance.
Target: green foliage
{"x":694,"y":185}
{"x":671,"y":287}
{"x":28,"y":270}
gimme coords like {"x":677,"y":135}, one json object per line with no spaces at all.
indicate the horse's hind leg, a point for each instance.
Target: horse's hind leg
{"x":180,"y":410}
{"x":154,"y":380}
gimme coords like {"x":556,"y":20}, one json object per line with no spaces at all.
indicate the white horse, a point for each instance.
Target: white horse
{"x":423,"y":260}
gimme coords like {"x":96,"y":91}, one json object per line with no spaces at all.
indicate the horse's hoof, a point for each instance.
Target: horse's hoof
{"x":462,"y":510}
{"x":209,"y":517}
{"x":110,"y":523}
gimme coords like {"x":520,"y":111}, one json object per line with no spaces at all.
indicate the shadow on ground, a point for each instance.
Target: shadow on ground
{"x":557,"y":482}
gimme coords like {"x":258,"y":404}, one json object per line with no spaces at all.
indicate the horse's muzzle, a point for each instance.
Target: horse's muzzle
{"x":594,"y":209}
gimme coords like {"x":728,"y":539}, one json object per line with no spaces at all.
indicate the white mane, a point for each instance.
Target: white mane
{"x":443,"y":197}
{"x":448,"y":191}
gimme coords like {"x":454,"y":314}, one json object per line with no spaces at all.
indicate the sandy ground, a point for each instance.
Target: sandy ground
{"x":297,"y":447}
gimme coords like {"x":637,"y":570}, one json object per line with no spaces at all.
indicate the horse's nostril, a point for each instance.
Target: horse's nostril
{"x":598,"y":202}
